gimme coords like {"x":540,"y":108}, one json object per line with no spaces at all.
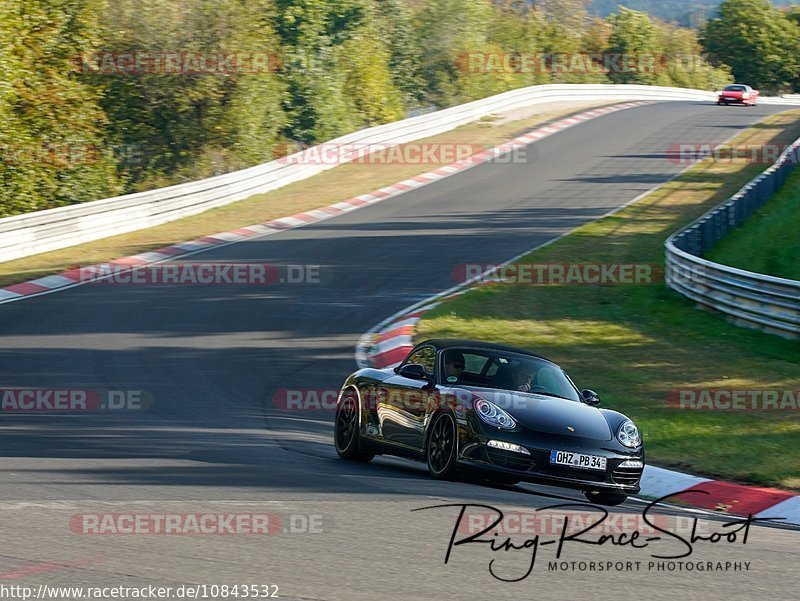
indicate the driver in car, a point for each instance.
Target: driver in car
{"x":454,"y":365}
{"x":522,"y":377}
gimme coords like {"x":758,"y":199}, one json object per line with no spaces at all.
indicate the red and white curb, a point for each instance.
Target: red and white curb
{"x":72,"y":278}
{"x":722,"y":497}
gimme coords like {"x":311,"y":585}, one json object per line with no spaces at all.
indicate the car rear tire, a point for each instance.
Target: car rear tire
{"x":606,"y":498}
{"x":441,"y":447}
{"x":346,"y":430}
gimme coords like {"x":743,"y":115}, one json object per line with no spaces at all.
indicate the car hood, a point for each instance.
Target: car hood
{"x":551,"y":415}
{"x":732,"y":94}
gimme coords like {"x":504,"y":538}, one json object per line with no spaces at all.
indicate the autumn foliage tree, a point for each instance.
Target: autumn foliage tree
{"x":759,"y":42}
{"x":52,"y":151}
{"x":72,"y":132}
{"x":176,"y":124}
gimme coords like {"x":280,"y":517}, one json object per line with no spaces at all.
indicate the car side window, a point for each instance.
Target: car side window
{"x":426,"y":357}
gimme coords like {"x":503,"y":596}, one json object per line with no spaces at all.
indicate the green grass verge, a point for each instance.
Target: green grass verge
{"x":768,"y":242}
{"x":635,"y":343}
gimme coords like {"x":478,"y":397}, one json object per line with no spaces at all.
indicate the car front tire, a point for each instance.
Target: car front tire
{"x":441,"y":447}
{"x":346,"y":430}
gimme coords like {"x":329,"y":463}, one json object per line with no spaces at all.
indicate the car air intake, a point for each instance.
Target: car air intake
{"x":510,"y":459}
{"x":628,"y":473}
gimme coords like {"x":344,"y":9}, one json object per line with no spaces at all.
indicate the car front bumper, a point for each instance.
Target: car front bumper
{"x":536,"y":466}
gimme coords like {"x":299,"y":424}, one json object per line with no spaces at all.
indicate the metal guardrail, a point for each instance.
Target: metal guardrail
{"x":42,"y":231}
{"x":751,"y":299}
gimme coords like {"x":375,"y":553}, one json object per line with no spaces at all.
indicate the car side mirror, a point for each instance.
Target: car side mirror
{"x":413,"y":371}
{"x":590,"y":397}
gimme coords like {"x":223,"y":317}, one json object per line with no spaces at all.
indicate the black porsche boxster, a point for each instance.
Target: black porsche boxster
{"x":498,"y":412}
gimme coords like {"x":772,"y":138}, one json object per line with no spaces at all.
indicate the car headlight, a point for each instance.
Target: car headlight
{"x":628,"y":434}
{"x":493,"y":415}
{"x":746,"y":95}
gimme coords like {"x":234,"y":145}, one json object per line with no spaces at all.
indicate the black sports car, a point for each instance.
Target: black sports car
{"x":500,"y":412}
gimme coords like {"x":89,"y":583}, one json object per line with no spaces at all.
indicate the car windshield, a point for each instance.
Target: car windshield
{"x":736,"y":89}
{"x":489,"y":368}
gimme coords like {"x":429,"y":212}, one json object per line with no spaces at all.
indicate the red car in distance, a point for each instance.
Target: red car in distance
{"x":738,"y":93}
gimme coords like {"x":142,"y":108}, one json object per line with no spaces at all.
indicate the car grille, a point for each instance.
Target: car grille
{"x":628,"y":476}
{"x":510,"y":459}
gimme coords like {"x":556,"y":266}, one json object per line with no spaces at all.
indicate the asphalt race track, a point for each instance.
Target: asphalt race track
{"x":211,"y":358}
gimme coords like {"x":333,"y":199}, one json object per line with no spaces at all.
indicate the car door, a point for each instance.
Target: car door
{"x":401,"y":402}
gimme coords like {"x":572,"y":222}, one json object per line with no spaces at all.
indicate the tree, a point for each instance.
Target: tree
{"x":335,"y":68}
{"x":51,"y":146}
{"x":186,"y":124}
{"x":635,"y":38}
{"x":683,"y":64}
{"x":759,"y":42}
{"x":597,"y":35}
{"x":460,"y":61}
{"x":566,"y":21}
{"x":368,"y":80}
{"x":405,"y":56}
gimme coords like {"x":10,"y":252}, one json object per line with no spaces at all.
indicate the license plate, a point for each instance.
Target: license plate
{"x":579,"y":460}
